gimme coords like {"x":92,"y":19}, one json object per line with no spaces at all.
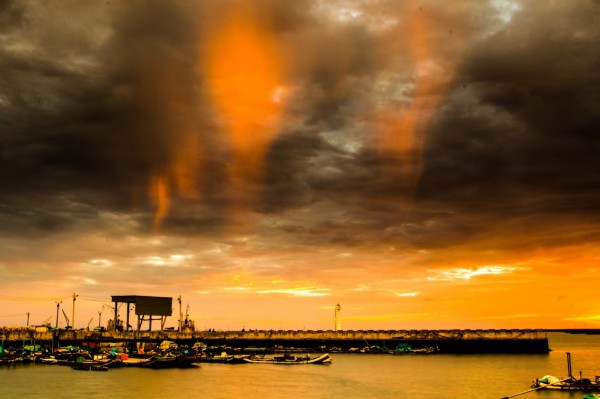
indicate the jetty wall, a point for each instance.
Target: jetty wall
{"x":448,"y":341}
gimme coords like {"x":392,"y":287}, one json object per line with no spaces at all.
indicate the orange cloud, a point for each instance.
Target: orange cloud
{"x":160,"y":194}
{"x":243,"y":74}
{"x":402,"y":121}
{"x":177,"y":174}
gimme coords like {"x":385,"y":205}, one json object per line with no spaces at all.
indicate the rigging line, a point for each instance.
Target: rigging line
{"x":31,"y":299}
{"x":87,"y":298}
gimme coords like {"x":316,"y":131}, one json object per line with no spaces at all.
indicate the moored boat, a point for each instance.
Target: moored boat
{"x":289,"y":359}
{"x":426,"y":350}
{"x":568,"y":384}
{"x":223,"y":358}
{"x":160,"y":361}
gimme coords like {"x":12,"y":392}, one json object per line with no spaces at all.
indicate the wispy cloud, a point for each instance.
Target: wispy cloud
{"x":100,"y":262}
{"x":407,"y":294}
{"x":300,"y":291}
{"x":595,"y":317}
{"x":468,"y":273}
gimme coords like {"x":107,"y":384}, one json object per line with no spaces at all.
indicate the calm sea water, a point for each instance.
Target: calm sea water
{"x":350,"y":376}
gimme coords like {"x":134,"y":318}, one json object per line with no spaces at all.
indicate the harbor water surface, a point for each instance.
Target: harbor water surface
{"x":441,"y":375}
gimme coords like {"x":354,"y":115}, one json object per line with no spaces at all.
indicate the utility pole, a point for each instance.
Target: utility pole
{"x":27,"y":318}
{"x":73,"y":318}
{"x":57,"y":307}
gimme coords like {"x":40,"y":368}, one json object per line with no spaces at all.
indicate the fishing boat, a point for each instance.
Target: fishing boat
{"x":426,"y":350}
{"x":80,"y":362}
{"x":223,"y":358}
{"x":568,"y":384}
{"x":290,"y":359}
{"x":161,"y":362}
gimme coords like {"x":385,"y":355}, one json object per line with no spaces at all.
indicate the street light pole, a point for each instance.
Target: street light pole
{"x":57,"y":307}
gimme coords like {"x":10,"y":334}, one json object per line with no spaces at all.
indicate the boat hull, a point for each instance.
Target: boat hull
{"x":570,"y":384}
{"x":290,"y":360}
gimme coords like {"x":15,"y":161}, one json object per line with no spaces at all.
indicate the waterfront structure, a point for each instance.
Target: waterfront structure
{"x":147,"y":308}
{"x":448,"y":341}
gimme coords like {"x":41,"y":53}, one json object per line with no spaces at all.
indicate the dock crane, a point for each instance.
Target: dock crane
{"x":89,"y":322}
{"x":116,"y":324}
{"x":68,"y":326}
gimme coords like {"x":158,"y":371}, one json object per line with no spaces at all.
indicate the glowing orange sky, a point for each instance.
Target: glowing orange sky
{"x":243,"y":72}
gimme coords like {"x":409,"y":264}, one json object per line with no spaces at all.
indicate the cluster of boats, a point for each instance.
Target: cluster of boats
{"x":401,"y":348}
{"x":82,"y":360}
{"x":168,"y":355}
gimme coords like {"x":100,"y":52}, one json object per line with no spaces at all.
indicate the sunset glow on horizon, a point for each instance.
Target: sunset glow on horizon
{"x":425,"y":166}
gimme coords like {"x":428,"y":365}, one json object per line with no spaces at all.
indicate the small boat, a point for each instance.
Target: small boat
{"x":223,"y":358}
{"x":161,"y":362}
{"x":80,"y":363}
{"x":136,"y":361}
{"x":426,"y":350}
{"x":289,"y":359}
{"x":568,"y":384}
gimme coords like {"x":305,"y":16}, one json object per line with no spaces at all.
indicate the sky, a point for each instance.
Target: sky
{"x":425,"y":164}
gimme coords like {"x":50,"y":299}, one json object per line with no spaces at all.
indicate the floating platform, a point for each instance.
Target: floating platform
{"x":448,"y":341}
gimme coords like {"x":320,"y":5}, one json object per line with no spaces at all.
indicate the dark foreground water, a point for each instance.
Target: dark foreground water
{"x":350,"y":376}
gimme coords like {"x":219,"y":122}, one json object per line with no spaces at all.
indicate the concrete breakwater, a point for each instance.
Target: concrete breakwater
{"x":448,"y":341}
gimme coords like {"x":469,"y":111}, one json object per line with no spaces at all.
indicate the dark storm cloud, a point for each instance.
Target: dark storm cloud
{"x":88,"y":116}
{"x":78,"y":129}
{"x":93,"y":112}
{"x":11,"y":14}
{"x":516,"y":140}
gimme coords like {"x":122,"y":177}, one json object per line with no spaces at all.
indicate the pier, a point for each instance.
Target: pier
{"x":448,"y":341}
